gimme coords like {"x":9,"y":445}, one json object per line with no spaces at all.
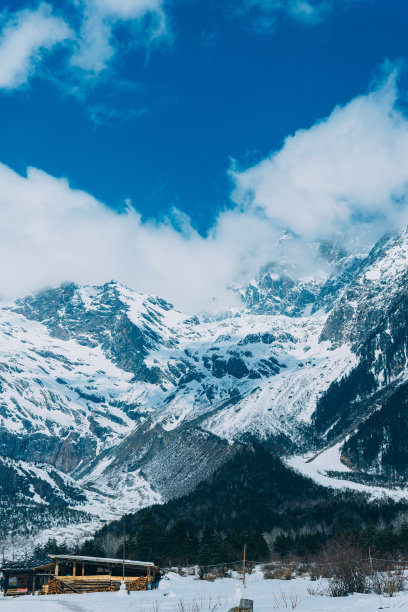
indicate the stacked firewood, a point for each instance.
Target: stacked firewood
{"x":70,"y":585}
{"x":101,"y":587}
{"x":137,"y":584}
{"x":55,"y":587}
{"x":84,"y":585}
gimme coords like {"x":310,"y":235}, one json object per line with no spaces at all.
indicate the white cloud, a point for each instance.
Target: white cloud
{"x":29,"y":34}
{"x":126,"y":9}
{"x":308,"y":12}
{"x":348,"y":174}
{"x":96,"y":46}
{"x":264,"y":13}
{"x":24,"y":40}
{"x":50,"y":233}
{"x":99,"y":29}
{"x":101,"y":114}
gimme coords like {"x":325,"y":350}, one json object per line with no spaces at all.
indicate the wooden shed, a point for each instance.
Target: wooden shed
{"x":76,"y":573}
{"x":79,"y":574}
{"x":20,"y":580}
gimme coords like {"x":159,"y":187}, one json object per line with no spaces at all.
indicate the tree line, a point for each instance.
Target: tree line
{"x":249,"y":498}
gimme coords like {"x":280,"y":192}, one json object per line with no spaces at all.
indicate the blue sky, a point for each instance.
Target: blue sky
{"x":160,"y":123}
{"x":206,"y":128}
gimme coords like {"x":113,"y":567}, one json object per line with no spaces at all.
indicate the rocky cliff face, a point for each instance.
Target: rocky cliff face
{"x":371,"y":318}
{"x":114,"y":399}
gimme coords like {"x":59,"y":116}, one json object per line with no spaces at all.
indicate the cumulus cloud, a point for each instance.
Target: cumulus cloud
{"x":25,"y":38}
{"x":50,"y":233}
{"x":346,"y":175}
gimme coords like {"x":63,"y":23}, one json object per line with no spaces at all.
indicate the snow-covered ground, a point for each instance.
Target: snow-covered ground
{"x":187,"y":594}
{"x":317,"y":467}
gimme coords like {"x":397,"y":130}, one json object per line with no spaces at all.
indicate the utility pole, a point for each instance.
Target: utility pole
{"x":243,"y":572}
{"x":123,"y":550}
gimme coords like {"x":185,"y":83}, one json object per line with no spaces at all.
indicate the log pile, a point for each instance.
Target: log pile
{"x":55,"y":587}
{"x":100,"y":585}
{"x":137,"y":584}
{"x":91,"y":584}
{"x":87,"y":584}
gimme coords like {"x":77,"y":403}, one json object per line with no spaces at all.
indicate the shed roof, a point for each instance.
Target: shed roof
{"x":18,"y":570}
{"x":30,"y":566}
{"x":102,"y":560}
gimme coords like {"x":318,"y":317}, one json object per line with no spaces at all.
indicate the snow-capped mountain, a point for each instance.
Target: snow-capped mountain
{"x":113,"y":399}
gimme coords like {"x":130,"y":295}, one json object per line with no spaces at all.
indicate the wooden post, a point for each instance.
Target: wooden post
{"x":83,"y":569}
{"x":123,"y":550}
{"x":74,"y":569}
{"x":243,"y":572}
{"x":57,"y":567}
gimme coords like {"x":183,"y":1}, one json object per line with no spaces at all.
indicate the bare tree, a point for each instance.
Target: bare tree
{"x":347,"y":569}
{"x":110,"y":544}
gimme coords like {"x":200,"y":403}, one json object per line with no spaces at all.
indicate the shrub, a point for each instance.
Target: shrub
{"x":347,"y":569}
{"x":389,"y":582}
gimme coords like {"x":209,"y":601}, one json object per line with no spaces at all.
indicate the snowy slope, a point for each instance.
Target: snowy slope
{"x":92,"y":377}
{"x":177,"y":592}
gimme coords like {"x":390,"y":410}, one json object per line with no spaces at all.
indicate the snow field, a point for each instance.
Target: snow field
{"x":187,"y":594}
{"x":317,"y":467}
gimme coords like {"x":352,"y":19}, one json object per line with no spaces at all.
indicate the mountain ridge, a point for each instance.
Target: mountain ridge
{"x":128,"y":401}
